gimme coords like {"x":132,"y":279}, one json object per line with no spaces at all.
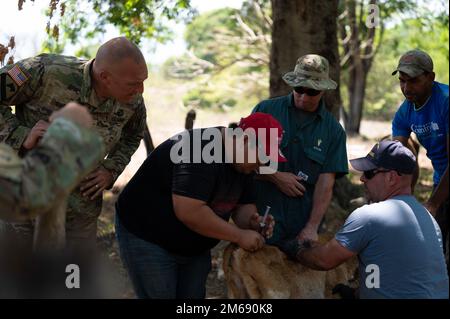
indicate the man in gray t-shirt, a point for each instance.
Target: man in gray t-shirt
{"x":398,"y":242}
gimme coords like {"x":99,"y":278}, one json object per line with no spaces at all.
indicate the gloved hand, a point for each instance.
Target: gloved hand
{"x":292,"y":247}
{"x":344,"y":291}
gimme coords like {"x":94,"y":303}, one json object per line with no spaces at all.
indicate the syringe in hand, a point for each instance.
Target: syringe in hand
{"x":262,"y":224}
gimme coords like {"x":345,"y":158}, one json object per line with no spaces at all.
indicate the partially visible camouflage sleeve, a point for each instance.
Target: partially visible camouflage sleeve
{"x":16,"y":92}
{"x":128,"y":143}
{"x":31,"y":185}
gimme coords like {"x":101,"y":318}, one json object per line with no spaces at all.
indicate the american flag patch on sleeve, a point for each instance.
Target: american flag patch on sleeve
{"x":17,"y":75}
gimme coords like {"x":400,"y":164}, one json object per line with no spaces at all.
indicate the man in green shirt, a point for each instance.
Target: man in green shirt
{"x":300,"y":192}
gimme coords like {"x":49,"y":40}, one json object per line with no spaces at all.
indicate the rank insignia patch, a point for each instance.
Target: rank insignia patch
{"x":8,"y":88}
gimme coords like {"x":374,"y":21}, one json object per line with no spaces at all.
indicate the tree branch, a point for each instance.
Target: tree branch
{"x":266,"y":18}
{"x":368,"y":50}
{"x":245,"y":27}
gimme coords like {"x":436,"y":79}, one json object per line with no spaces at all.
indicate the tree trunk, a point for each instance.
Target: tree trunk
{"x":356,"y":85}
{"x":356,"y":92}
{"x":358,"y":58}
{"x":299,"y":28}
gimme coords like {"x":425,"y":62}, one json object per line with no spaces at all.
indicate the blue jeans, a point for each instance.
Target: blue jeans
{"x":158,"y":274}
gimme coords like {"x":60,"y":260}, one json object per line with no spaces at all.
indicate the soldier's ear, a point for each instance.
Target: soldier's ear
{"x":104,"y":76}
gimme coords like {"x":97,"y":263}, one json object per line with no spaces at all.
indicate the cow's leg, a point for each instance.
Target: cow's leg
{"x":50,"y":229}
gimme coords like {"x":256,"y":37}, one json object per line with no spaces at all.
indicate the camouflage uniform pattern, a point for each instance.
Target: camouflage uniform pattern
{"x":311,"y":71}
{"x":51,"y":81}
{"x":31,"y":185}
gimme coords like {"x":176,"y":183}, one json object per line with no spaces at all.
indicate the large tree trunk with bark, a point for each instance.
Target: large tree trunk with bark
{"x":299,"y":28}
{"x":356,"y":91}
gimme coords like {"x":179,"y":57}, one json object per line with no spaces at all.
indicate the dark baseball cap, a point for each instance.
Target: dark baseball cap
{"x":414,"y":63}
{"x":390,"y":155}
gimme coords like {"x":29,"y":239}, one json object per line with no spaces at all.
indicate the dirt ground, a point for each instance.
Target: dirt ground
{"x":216,"y":288}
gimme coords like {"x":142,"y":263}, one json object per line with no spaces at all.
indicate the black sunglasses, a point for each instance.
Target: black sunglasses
{"x":309,"y":92}
{"x":371,"y":173}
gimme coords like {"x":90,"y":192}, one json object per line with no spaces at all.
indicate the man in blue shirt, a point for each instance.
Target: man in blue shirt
{"x":425,"y":112}
{"x":398,"y":243}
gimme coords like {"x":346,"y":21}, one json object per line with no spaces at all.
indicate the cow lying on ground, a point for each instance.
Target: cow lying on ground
{"x":269,"y":274}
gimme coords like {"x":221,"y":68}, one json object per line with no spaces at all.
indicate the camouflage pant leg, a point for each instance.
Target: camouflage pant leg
{"x":24,"y":229}
{"x":46,"y":232}
{"x":81,"y":224}
{"x":82,"y":241}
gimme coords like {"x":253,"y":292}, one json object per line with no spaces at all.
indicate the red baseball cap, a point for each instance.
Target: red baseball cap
{"x":266,"y":121}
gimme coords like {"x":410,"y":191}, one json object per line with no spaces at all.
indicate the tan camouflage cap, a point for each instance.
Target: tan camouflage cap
{"x":311,"y":71}
{"x":414,"y":63}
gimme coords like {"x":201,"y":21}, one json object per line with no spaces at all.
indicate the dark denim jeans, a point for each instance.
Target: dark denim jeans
{"x":159,"y":274}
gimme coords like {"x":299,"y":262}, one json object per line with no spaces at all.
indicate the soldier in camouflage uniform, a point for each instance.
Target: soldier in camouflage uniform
{"x":314,"y":144}
{"x":31,"y":185}
{"x":37,"y":186}
{"x":110,"y":86}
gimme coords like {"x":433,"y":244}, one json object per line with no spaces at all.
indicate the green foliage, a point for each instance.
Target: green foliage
{"x":207,"y":97}
{"x":185,"y":67}
{"x":201,"y":34}
{"x":257,"y":13}
{"x":227,"y":90}
{"x":229,"y":57}
{"x":51,"y":45}
{"x":87,"y":51}
{"x":227,"y":36}
{"x":135,"y":19}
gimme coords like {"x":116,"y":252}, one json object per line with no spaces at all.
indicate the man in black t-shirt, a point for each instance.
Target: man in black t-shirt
{"x":177,"y":206}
